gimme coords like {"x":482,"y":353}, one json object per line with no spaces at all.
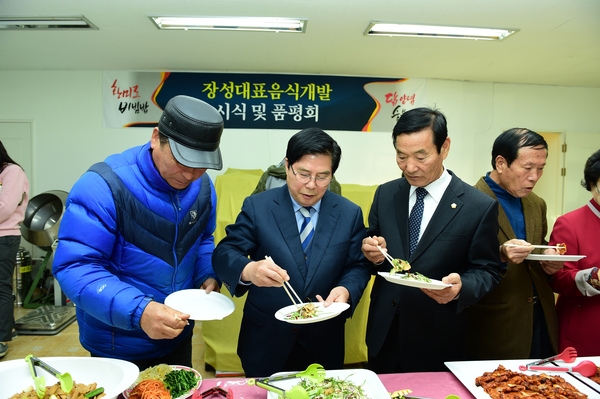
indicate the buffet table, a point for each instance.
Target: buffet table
{"x":427,"y":385}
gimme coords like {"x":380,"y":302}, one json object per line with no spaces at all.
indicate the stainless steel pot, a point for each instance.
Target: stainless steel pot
{"x":22,"y":276}
{"x":42,"y":218}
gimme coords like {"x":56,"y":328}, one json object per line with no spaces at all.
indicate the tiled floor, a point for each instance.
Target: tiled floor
{"x":66,"y":343}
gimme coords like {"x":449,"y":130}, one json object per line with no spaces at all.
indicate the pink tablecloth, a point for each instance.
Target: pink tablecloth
{"x":428,"y":385}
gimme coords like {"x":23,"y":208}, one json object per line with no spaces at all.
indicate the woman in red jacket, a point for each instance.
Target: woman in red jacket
{"x":578,"y":283}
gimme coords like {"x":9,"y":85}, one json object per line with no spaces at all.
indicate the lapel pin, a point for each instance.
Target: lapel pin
{"x":453,"y":205}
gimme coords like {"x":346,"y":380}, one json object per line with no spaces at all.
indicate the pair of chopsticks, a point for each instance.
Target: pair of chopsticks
{"x":285,"y":287}
{"x":534,"y":246}
{"x":387,"y":256}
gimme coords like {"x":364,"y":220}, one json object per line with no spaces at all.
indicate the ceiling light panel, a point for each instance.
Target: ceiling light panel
{"x":294,"y":25}
{"x":437,"y":31}
{"x":43,"y":23}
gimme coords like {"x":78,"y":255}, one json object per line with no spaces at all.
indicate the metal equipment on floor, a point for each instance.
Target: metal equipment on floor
{"x":40,"y":227}
{"x":45,"y":320}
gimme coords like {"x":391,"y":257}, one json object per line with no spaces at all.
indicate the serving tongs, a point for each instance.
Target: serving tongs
{"x":65,"y":379}
{"x":38,"y":381}
{"x":315,"y":372}
{"x":586,"y":368}
{"x":568,"y":356}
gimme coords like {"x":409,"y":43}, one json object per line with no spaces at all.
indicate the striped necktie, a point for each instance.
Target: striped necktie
{"x":307,"y":230}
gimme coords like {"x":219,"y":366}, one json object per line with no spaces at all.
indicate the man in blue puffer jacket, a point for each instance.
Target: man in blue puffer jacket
{"x":138,"y":227}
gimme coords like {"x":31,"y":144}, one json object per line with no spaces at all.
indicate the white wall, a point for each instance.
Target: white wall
{"x":68,"y":136}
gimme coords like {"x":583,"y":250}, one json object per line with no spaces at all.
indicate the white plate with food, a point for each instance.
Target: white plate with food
{"x":200,"y":305}
{"x":409,"y":280}
{"x":160,"y":373}
{"x":467,"y":372}
{"x":303,"y":314}
{"x":367,"y":380}
{"x":111,"y":374}
{"x":559,"y":258}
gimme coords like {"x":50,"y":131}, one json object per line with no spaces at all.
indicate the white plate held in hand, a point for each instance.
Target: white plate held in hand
{"x":323,"y":313}
{"x":559,"y":258}
{"x":398,"y":278}
{"x":200,"y":305}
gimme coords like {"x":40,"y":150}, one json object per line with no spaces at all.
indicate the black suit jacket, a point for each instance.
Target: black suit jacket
{"x":267,"y":226}
{"x":461,"y":237}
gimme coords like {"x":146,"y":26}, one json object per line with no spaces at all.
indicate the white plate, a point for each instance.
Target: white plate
{"x":111,"y":374}
{"x":467,"y":372}
{"x":560,"y":258}
{"x":372,"y":385}
{"x":200,"y":305}
{"x":184,"y":396}
{"x":322,"y":313}
{"x":397,"y":279}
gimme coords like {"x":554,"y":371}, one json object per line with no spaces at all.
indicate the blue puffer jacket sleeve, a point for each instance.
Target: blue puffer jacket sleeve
{"x":86,"y":241}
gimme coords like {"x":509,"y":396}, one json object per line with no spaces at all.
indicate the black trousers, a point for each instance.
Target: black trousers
{"x":540,"y":343}
{"x":9,"y":246}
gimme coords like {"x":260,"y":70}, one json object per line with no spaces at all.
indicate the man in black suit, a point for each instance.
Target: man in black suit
{"x":414,"y":329}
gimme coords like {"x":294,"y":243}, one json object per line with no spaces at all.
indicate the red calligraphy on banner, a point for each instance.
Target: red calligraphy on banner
{"x":393,"y":98}
{"x":130,"y":92}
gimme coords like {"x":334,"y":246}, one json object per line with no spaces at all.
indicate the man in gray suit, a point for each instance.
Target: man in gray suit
{"x":453,"y":240}
{"x":329,"y":265}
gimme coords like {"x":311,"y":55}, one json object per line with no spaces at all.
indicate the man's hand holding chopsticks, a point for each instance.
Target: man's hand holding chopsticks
{"x":371,"y":249}
{"x":264,"y":273}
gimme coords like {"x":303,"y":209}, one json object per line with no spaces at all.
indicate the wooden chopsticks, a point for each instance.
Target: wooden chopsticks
{"x":387,"y":256}
{"x":285,"y":287}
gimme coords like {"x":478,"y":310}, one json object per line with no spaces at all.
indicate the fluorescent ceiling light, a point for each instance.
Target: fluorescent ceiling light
{"x":452,"y":32}
{"x":24,"y":23}
{"x":295,"y":25}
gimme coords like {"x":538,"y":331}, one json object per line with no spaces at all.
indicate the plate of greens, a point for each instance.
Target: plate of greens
{"x":179,"y":381}
{"x":310,"y":312}
{"x":349,"y":383}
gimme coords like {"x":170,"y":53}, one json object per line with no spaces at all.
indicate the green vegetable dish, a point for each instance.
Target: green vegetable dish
{"x":179,"y":382}
{"x":399,"y":266}
{"x":333,"y":388}
{"x":307,"y":311}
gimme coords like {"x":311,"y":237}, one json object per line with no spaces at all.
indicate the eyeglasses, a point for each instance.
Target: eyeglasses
{"x":321,"y":181}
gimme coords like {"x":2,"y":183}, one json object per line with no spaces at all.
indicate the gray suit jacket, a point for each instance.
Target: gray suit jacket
{"x":461,"y":237}
{"x":267,"y":226}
